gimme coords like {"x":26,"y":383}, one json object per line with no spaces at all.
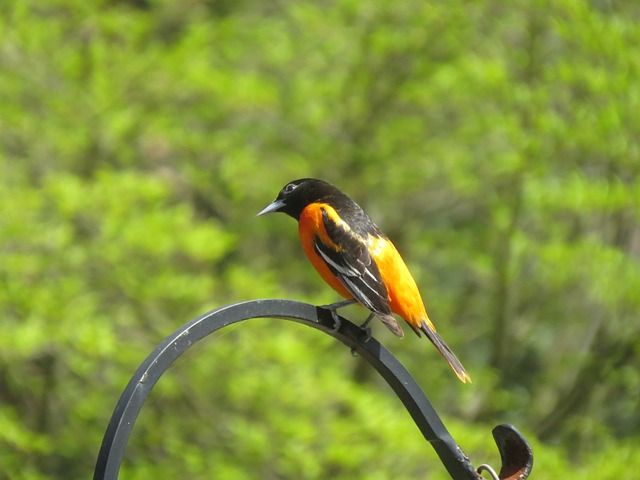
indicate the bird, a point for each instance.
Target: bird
{"x":357,"y":259}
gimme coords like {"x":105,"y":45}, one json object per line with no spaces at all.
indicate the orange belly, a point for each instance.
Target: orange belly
{"x":310,"y":225}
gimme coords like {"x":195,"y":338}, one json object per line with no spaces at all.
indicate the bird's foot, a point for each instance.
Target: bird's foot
{"x":336,"y":321}
{"x":367,"y":330}
{"x":367,"y":335}
{"x":333,"y":308}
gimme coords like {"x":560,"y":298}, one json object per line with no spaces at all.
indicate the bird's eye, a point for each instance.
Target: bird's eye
{"x":289,"y":188}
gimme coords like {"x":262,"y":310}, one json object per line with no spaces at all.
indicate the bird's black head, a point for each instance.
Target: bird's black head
{"x":296,"y":195}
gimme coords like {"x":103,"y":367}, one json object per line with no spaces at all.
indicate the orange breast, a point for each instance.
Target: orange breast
{"x":311,"y":225}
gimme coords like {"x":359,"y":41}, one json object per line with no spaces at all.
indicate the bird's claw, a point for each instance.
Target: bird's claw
{"x":366,"y":329}
{"x":337,"y":323}
{"x":367,"y":335}
{"x":333,"y":308}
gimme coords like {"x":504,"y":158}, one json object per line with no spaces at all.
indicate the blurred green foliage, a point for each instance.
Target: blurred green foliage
{"x":495,"y":142}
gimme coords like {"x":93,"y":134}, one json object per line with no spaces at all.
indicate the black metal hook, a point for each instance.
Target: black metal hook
{"x":515,"y":452}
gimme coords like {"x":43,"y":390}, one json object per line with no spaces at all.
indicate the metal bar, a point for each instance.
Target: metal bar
{"x":151,"y":370}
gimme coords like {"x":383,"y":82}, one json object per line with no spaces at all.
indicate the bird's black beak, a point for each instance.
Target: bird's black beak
{"x":274,"y":206}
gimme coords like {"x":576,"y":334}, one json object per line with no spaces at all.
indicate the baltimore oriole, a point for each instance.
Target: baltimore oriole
{"x":356,"y":259}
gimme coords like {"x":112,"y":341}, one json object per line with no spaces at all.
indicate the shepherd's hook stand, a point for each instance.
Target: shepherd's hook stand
{"x":515,"y":452}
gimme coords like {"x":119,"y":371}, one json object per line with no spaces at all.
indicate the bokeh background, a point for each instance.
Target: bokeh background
{"x":496,"y":143}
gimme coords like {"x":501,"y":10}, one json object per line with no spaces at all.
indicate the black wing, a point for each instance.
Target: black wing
{"x":350,"y":261}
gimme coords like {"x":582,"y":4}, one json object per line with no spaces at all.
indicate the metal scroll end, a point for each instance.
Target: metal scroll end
{"x":515,"y":452}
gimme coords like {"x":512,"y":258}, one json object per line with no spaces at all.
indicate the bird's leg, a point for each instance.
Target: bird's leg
{"x":365,"y":324}
{"x":337,"y":305}
{"x":334,"y":314}
{"x":367,"y":333}
{"x":366,"y":328}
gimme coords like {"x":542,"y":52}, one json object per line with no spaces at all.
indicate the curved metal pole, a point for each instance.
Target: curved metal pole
{"x":517,"y":458}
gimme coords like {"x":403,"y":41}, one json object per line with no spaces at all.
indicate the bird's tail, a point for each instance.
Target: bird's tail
{"x":392,"y":324}
{"x":444,"y":350}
